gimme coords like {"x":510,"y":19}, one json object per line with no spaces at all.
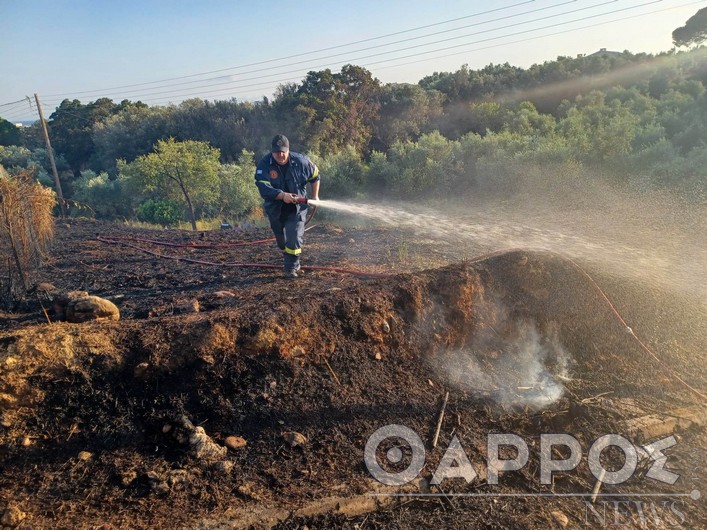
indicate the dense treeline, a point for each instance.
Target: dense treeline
{"x":637,"y":118}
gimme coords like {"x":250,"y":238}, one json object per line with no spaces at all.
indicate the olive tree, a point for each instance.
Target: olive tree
{"x":189,"y":170}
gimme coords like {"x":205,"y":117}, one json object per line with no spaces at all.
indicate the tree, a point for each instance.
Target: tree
{"x":72,"y":124}
{"x":694,"y":31}
{"x":9,"y":133}
{"x":18,"y":159}
{"x":129,"y":134}
{"x":406,"y":112}
{"x":100,"y":195}
{"x":189,"y":169}
{"x":333,"y":110}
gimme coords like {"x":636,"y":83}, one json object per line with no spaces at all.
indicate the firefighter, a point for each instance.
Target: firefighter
{"x":282,"y":177}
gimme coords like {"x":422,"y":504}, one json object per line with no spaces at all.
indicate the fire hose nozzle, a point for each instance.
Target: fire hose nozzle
{"x":302,"y":200}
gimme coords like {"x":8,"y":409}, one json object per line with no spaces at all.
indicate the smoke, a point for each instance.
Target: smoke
{"x":520,"y":368}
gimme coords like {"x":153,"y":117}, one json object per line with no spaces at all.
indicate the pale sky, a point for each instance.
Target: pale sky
{"x":162,"y":52}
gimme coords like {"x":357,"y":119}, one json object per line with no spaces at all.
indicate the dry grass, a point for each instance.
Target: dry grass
{"x":26,"y":226}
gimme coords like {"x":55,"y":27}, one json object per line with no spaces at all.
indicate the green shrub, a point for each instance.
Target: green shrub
{"x":163,"y":212}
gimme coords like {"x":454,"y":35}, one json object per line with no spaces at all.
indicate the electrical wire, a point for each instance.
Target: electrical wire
{"x":307,"y":53}
{"x":102,"y":92}
{"x":24,"y":100}
{"x":588,"y":26}
{"x":139,"y":93}
{"x":274,"y":83}
{"x":230,"y":89}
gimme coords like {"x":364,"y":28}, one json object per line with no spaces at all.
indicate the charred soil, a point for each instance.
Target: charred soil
{"x":230,"y":397}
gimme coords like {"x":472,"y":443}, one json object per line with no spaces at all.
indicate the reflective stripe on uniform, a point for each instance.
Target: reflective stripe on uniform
{"x":315,"y":174}
{"x":293,"y":251}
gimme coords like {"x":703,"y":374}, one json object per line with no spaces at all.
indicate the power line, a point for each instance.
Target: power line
{"x":307,"y":53}
{"x":24,"y":100}
{"x":534,"y":38}
{"x":99,"y":93}
{"x":270,"y":84}
{"x":17,"y":112}
{"x":180,"y":92}
{"x":231,"y":88}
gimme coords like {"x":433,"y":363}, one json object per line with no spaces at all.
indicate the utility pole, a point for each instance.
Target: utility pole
{"x":59,"y":193}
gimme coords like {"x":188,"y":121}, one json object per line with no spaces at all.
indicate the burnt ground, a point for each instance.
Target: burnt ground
{"x":95,"y":416}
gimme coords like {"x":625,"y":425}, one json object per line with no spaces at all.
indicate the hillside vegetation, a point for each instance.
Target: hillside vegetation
{"x":635,"y":119}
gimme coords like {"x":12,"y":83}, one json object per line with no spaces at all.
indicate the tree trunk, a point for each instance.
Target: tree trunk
{"x":18,"y":261}
{"x":192,"y":216}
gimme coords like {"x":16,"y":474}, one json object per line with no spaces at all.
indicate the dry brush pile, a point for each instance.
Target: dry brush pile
{"x":26,"y":226}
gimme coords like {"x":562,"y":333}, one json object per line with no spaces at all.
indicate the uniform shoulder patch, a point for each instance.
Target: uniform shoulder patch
{"x":273,"y":174}
{"x":259,"y":172}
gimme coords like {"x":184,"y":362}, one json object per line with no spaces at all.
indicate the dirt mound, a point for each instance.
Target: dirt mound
{"x":101,"y":420}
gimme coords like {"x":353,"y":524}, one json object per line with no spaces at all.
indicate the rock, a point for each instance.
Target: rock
{"x":153,"y":476}
{"x":177,"y":477}
{"x":187,"y":306}
{"x":13,"y":516}
{"x":294,"y":438}
{"x":157,"y":484}
{"x":224,"y":294}
{"x":252,"y":491}
{"x":386,"y":327}
{"x":86,"y":308}
{"x":7,"y":401}
{"x":223,"y":466}
{"x":26,"y":441}
{"x":85,"y":456}
{"x":204,"y":447}
{"x":166,"y":428}
{"x":235,"y":442}
{"x":61,"y":301}
{"x":11,"y":361}
{"x":127,"y":478}
{"x":378,"y":356}
{"x":159,"y":488}
{"x":560,"y":518}
{"x":44,"y":287}
{"x":141,"y":370}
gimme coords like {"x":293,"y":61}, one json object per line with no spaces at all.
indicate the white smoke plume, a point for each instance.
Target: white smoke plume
{"x":522,"y":368}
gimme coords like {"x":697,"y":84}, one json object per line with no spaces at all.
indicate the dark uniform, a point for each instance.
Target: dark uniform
{"x":286,"y":220}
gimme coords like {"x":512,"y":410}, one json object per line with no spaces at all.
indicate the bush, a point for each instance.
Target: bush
{"x":163,"y":212}
{"x":345,"y":173}
{"x":424,"y":167}
{"x":238,"y":195}
{"x":100,"y":195}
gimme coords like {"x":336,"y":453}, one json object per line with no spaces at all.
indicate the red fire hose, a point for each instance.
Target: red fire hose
{"x":124,"y":242}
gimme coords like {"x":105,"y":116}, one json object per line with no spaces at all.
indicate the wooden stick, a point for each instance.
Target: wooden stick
{"x":592,"y":398}
{"x":332,"y":372}
{"x":439,"y":421}
{"x":49,"y":320}
{"x":595,"y":491}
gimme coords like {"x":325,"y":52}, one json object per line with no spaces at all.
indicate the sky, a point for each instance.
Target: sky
{"x":163,"y":52}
